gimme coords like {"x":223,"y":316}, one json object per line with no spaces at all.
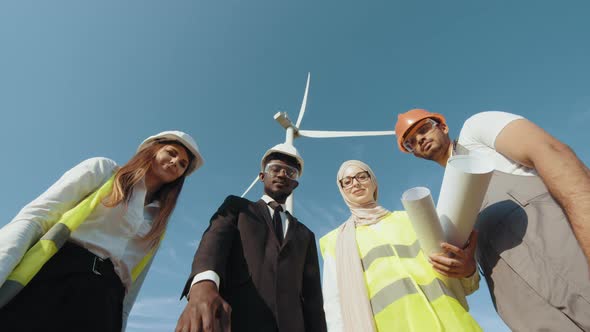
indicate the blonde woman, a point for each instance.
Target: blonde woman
{"x":376,"y":277}
{"x":91,"y":283}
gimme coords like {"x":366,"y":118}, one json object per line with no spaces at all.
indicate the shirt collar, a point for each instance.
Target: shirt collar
{"x":154,"y":204}
{"x":267,"y":199}
{"x":458,"y":149}
{"x":141,"y":185}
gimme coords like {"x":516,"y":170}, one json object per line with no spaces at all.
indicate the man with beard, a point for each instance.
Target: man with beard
{"x":256,"y":268}
{"x":534,"y":225}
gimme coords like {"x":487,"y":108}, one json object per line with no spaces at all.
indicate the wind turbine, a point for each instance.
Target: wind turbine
{"x":293,"y":131}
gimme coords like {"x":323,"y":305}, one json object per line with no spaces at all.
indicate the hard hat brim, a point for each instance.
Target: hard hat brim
{"x":182,"y":138}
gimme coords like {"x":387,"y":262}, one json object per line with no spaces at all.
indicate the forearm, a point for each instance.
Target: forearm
{"x":66,"y":192}
{"x":471,"y":283}
{"x":568,"y":181}
{"x":208,"y":275}
{"x":215,"y":247}
{"x":207,"y":265}
{"x":566,"y":177}
{"x":15,"y":240}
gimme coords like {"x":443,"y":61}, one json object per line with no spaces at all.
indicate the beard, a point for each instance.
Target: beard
{"x":433,"y":153}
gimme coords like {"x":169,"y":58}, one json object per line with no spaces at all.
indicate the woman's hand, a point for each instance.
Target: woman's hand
{"x":455,"y":262}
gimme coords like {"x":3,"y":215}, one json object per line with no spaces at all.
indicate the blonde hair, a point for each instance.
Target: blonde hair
{"x":134,"y":171}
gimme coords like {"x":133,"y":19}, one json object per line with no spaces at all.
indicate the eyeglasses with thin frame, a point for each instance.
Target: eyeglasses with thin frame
{"x":361,"y":177}
{"x":426,"y":127}
{"x":274,"y":169}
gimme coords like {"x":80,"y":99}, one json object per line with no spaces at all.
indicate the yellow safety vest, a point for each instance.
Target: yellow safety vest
{"x":405,"y":293}
{"x":54,"y":239}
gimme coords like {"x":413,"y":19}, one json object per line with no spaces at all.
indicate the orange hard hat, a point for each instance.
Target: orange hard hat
{"x":406,"y":121}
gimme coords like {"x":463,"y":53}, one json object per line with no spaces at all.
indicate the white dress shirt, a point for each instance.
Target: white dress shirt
{"x":212,"y":275}
{"x":107,"y":232}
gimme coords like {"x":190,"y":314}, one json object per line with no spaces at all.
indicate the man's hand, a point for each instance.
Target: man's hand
{"x":455,"y":262}
{"x":205,"y":311}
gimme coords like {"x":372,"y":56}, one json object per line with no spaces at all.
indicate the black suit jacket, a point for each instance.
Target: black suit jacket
{"x":269,"y":286}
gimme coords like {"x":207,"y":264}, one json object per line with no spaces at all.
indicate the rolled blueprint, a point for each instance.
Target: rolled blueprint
{"x":418,"y":204}
{"x":463,"y":189}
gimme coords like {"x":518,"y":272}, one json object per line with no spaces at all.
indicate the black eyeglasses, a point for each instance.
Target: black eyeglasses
{"x":361,"y":177}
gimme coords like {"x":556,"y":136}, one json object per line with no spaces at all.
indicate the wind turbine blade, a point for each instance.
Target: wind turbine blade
{"x":303,"y":103}
{"x":332,"y":134}
{"x":251,"y":185}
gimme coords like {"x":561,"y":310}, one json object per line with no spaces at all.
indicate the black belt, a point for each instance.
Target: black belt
{"x":82,"y":260}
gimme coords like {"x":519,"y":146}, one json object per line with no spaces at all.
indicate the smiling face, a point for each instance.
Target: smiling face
{"x":169,"y":163}
{"x":277,"y":184}
{"x":361,"y":191}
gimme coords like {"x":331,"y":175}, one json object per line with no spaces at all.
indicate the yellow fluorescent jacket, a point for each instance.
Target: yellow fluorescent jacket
{"x":404,"y":291}
{"x":54,"y":239}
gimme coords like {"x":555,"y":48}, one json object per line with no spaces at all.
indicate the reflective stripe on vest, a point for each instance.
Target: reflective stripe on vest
{"x":386,"y":250}
{"x":404,"y":291}
{"x":54,"y":239}
{"x":405,"y":286}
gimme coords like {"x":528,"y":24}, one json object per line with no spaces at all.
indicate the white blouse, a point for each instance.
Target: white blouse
{"x":112,"y":233}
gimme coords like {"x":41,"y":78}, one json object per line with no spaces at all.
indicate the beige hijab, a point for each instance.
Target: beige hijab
{"x":357,"y":313}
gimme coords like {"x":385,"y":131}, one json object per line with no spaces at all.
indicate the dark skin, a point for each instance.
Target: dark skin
{"x":206,"y":310}
{"x":280,"y":186}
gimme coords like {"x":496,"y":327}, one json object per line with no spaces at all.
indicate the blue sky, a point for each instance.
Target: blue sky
{"x":81,"y":79}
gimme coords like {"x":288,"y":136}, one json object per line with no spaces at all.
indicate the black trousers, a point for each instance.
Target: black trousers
{"x":74,"y":291}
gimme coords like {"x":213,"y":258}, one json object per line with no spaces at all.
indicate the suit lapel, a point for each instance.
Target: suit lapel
{"x":292,"y":230}
{"x":263,"y":212}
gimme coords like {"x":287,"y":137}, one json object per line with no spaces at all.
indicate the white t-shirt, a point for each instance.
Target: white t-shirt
{"x":479,"y":133}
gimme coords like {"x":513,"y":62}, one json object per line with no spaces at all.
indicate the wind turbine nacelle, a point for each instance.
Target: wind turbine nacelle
{"x":284,"y":121}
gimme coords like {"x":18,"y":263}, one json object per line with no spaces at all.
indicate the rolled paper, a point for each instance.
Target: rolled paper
{"x":462,"y":192}
{"x":419,"y":205}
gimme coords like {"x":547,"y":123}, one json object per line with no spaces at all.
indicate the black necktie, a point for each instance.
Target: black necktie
{"x":277,"y":222}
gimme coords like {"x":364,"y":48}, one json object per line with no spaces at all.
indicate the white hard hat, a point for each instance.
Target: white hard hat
{"x":286,"y":149}
{"x":181,"y":137}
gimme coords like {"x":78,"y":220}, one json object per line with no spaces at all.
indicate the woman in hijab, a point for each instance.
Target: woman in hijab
{"x":377,"y":278}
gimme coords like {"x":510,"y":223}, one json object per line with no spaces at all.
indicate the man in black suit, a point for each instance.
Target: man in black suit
{"x":256,"y":263}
